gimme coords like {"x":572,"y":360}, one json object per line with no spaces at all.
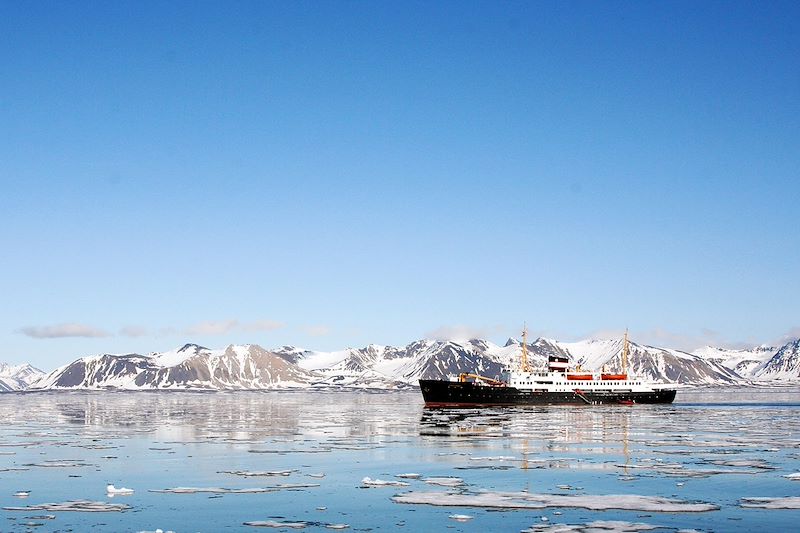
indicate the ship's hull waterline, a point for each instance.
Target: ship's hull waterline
{"x":438,"y":393}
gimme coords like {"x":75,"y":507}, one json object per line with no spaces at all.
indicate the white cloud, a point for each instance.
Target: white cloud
{"x":790,"y":336}
{"x":72,"y":329}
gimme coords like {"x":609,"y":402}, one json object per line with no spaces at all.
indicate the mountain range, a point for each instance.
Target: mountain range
{"x":251,"y":367}
{"x":18,"y":377}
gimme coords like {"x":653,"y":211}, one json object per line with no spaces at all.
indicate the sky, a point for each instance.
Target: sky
{"x":334,"y":174}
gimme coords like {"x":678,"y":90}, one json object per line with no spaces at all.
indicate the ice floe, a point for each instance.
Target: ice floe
{"x":444,"y":481}
{"x":460,"y":517}
{"x":795,"y":476}
{"x":112,"y":491}
{"x":789,"y":502}
{"x":276,"y":524}
{"x":262,"y":473}
{"x":224,"y":490}
{"x":598,"y":526}
{"x":69,"y":463}
{"x":85,"y":506}
{"x":369,"y":482}
{"x":524,"y":500}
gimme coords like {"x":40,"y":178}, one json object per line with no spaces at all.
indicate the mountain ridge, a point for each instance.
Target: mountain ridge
{"x":251,"y":367}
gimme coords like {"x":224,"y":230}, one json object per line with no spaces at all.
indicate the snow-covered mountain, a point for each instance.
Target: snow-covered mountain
{"x":743,"y":362}
{"x":649,"y":362}
{"x":19,"y":377}
{"x":784,"y":365}
{"x":388,"y":367}
{"x":190,"y":367}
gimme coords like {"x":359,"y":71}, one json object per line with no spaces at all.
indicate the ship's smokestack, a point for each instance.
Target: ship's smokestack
{"x":557,"y":363}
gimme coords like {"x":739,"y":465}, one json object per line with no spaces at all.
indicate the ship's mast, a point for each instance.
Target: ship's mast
{"x":625,"y":353}
{"x":524,"y":367}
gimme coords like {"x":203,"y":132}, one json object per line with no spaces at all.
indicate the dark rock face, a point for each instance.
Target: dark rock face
{"x":785,"y":364}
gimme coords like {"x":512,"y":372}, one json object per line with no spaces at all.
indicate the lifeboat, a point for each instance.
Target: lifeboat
{"x":611,"y":377}
{"x":580,"y":377}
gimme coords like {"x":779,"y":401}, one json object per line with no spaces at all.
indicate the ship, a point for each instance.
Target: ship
{"x":557,"y":384}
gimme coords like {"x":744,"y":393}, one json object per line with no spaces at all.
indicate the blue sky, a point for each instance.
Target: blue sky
{"x":330,"y":174}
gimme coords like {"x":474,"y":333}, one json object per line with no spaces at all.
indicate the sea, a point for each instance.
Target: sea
{"x":715,"y":460}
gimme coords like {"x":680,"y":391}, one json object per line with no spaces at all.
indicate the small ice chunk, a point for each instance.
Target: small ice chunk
{"x":444,"y":481}
{"x":111,"y":490}
{"x":22,"y":493}
{"x":259,"y":473}
{"x":276,"y":524}
{"x":794,"y":477}
{"x":369,"y":482}
{"x":460,"y":517}
{"x":410,"y":475}
{"x":337,"y":526}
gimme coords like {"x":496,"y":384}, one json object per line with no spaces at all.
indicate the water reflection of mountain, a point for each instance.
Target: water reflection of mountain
{"x":217,"y":415}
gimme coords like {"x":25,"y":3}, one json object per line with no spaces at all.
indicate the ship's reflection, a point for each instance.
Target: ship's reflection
{"x":536,"y":432}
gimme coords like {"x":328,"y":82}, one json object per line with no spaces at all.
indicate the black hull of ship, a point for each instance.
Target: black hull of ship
{"x":468,"y":394}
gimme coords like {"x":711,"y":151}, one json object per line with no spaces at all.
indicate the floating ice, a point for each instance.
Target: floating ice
{"x":790,"y":502}
{"x":751,"y":463}
{"x":265,"y":473}
{"x":460,"y":517}
{"x":22,"y":493}
{"x":369,"y":482}
{"x":409,"y":476}
{"x":223,"y":490}
{"x":598,"y":526}
{"x":67,"y":463}
{"x":273,"y":523}
{"x":157,"y":531}
{"x":337,"y":526}
{"x":444,"y":481}
{"x":795,"y":476}
{"x":111,"y":490}
{"x":75,"y":505}
{"x":524,"y":500}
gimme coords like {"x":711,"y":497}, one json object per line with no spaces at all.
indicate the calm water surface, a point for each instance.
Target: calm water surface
{"x":299,"y":459}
